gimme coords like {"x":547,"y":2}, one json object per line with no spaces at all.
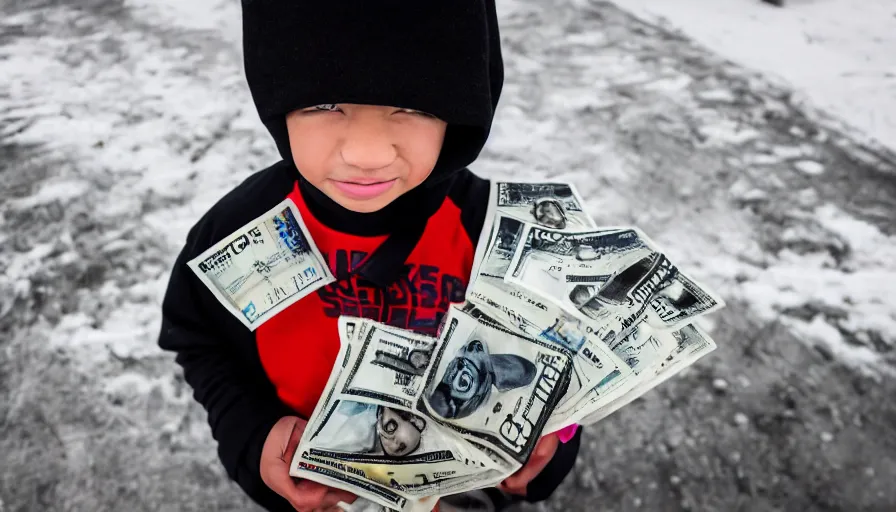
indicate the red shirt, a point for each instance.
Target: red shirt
{"x":298,"y":346}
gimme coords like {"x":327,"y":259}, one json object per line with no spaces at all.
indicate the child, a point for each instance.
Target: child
{"x":376,"y":109}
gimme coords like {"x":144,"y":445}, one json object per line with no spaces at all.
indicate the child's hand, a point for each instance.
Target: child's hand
{"x":544,"y":451}
{"x":276,"y":455}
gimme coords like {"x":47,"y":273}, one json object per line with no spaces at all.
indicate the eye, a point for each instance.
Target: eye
{"x":390,"y":427}
{"x":324,"y":107}
{"x":414,"y":112}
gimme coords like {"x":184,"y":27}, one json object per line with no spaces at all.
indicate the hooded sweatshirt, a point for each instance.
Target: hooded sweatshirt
{"x":402,"y":265}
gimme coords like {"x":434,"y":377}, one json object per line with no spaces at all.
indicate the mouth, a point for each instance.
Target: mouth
{"x":363,"y":188}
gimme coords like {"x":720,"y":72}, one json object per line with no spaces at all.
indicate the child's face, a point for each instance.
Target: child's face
{"x":364,"y":156}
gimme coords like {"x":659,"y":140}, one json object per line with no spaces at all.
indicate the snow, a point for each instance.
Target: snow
{"x":62,"y":190}
{"x":839,"y":54}
{"x":144,"y":122}
{"x":809,"y":167}
{"x":855,"y":298}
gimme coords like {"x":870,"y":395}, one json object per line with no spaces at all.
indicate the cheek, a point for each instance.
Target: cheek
{"x":422,"y":151}
{"x":312,"y":149}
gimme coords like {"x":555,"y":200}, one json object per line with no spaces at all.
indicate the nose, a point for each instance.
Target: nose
{"x":367,"y":144}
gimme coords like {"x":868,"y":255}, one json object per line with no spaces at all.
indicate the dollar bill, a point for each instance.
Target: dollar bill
{"x":643,"y":348}
{"x":690,"y":343}
{"x":348,"y":327}
{"x":388,"y":364}
{"x":391,"y":446}
{"x":501,"y":246}
{"x":263,"y":267}
{"x":619,"y":273}
{"x":554,"y":205}
{"x":640,"y":346}
{"x":629,"y":273}
{"x":575,"y":286}
{"x":679,"y":300}
{"x":675,"y":301}
{"x":594,"y":364}
{"x":609,"y":268}
{"x":341,"y":477}
{"x":494,"y":385}
{"x":545,"y":257}
{"x":368,"y":435}
{"x":417,"y":480}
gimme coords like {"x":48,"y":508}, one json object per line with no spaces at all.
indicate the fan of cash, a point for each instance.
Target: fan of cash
{"x":563,"y":323}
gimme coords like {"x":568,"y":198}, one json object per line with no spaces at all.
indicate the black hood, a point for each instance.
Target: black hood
{"x":438,"y":56}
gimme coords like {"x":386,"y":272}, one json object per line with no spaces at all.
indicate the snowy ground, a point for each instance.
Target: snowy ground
{"x":122,"y":121}
{"x":840,"y":55}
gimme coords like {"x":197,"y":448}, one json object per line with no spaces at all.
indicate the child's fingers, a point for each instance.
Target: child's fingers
{"x":542,"y":454}
{"x":292,"y":444}
{"x":528,"y":472}
{"x":334,"y":496}
{"x":547,"y":445}
{"x":307,"y":495}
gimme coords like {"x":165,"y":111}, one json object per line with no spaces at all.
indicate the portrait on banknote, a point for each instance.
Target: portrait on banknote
{"x":369,"y":429}
{"x":467,"y":381}
{"x":549,"y":212}
{"x":494,"y":384}
{"x":627,"y":287}
{"x":553,"y":205}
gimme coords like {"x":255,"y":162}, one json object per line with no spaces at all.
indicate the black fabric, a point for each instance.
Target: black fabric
{"x":386,"y":263}
{"x":441,"y":56}
{"x":469,"y":189}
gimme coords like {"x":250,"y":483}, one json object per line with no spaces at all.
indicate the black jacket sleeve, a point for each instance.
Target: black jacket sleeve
{"x":216,"y":357}
{"x":217,"y":353}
